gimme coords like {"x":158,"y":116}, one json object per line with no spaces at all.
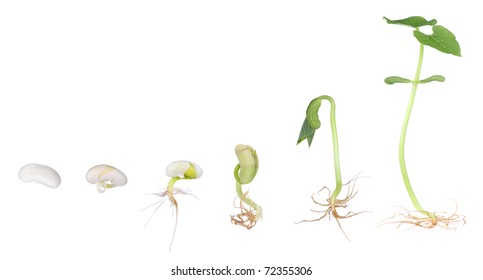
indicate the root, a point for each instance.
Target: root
{"x":331,"y":209}
{"x":425,"y":220}
{"x":166,"y":194}
{"x":247,"y":216}
{"x":175,"y":203}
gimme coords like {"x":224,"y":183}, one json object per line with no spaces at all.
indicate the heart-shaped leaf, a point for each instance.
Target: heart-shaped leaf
{"x":412,"y":21}
{"x":442,"y":39}
{"x":395,"y":79}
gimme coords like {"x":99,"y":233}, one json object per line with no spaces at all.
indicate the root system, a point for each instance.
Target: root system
{"x":425,"y":220}
{"x":247,"y":217}
{"x":332,"y":208}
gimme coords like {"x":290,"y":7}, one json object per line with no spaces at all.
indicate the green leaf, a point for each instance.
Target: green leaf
{"x":442,"y":39}
{"x":306,"y":133}
{"x":313,"y":113}
{"x":412,"y":21}
{"x":434,"y":78}
{"x":395,"y":79}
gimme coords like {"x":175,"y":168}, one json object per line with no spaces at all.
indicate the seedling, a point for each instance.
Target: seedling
{"x":177,"y":170}
{"x":106,"y":177}
{"x":310,"y":125}
{"x":443,"y":40}
{"x":245,"y":171}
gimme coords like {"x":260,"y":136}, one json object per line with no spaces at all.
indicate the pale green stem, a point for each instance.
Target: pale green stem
{"x":402,"y":139}
{"x":171,"y":184}
{"x":335,"y":144}
{"x":244,"y":198}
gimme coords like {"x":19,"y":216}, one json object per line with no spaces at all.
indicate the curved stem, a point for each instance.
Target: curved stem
{"x":243,"y":197}
{"x":335,"y":144}
{"x":101,"y":186}
{"x":170,"y":187}
{"x":402,"y":139}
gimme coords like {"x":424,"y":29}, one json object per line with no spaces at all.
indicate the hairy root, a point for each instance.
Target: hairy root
{"x":247,"y":216}
{"x":167,"y":194}
{"x":331,"y":209}
{"x":425,"y":219}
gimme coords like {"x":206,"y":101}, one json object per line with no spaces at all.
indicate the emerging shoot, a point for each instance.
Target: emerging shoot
{"x":245,"y":172}
{"x":443,"y":40}
{"x":105,"y":177}
{"x":332,"y":202}
{"x":177,"y":170}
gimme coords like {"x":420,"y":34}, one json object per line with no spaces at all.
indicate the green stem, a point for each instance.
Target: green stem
{"x":243,"y":197}
{"x":335,"y":144}
{"x":402,"y":139}
{"x":171,"y":184}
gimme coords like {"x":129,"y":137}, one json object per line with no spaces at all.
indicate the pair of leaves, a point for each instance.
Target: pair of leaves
{"x":306,"y":133}
{"x":395,"y":79}
{"x":311,"y":122}
{"x":442,"y":39}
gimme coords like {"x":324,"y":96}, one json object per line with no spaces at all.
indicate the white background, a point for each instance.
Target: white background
{"x":138,"y":84}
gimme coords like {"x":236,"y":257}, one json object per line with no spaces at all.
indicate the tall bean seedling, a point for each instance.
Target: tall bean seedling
{"x":444,"y":41}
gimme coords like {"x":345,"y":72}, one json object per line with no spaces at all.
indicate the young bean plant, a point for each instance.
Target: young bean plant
{"x":245,"y":171}
{"x":333,"y":203}
{"x":444,"y":41}
{"x":178,"y":170}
